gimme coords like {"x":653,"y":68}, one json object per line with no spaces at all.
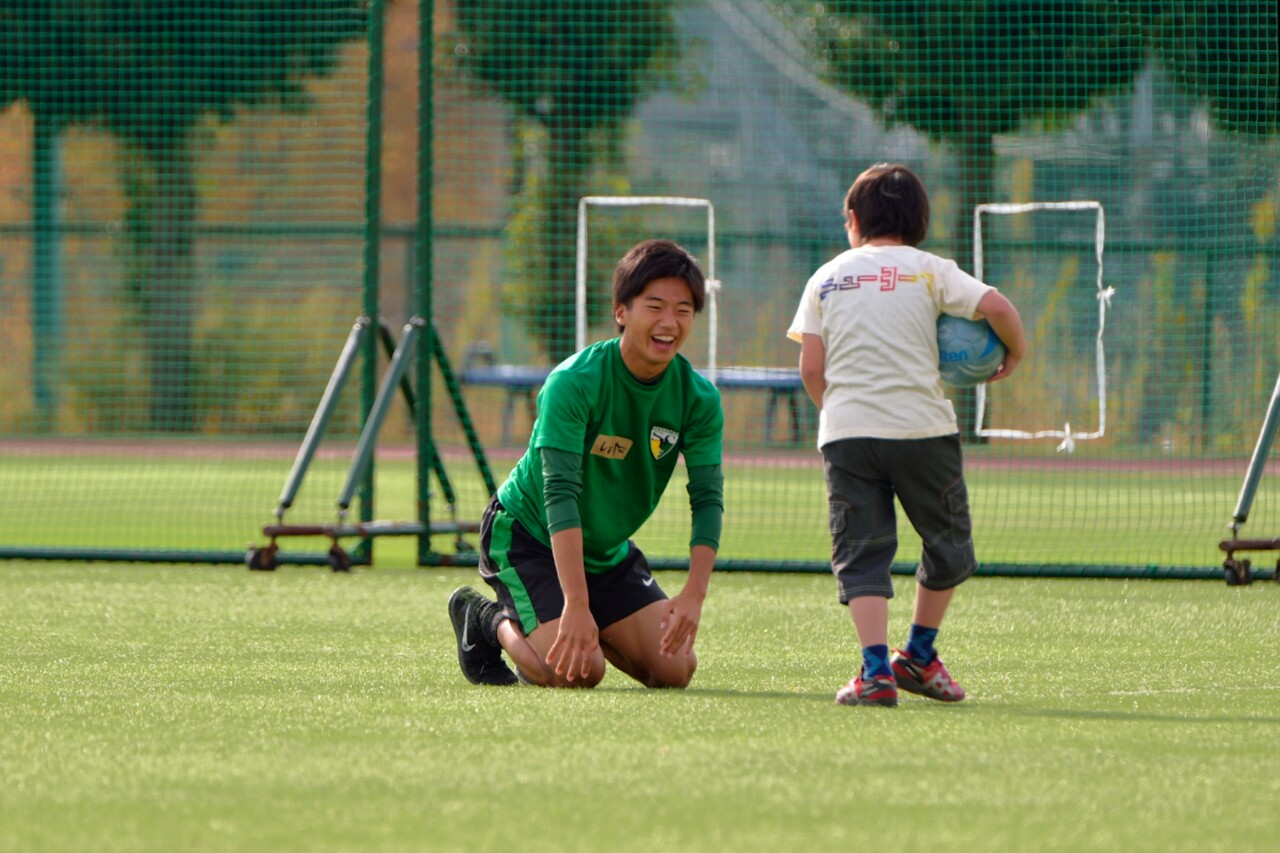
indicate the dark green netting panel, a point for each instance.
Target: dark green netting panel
{"x":186,"y":239}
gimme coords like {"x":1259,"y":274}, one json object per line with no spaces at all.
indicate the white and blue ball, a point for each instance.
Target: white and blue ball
{"x":969,"y":351}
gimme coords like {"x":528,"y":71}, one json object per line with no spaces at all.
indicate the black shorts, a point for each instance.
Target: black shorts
{"x":523,"y":573}
{"x":927,"y":477}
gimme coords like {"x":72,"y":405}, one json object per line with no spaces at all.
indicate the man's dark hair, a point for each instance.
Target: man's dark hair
{"x":890,"y":201}
{"x":652,"y":260}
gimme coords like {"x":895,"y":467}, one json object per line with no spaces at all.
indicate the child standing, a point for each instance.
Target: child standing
{"x":867,"y":328}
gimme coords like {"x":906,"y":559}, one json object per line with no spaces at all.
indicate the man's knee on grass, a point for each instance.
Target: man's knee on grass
{"x":674,"y":672}
{"x":546,"y":677}
{"x":656,"y":670}
{"x":529,"y":653}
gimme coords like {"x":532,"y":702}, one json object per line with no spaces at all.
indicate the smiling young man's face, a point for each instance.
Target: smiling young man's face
{"x":655,"y":325}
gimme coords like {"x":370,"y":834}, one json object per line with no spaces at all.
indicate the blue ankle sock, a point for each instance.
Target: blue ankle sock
{"x":875,"y":661}
{"x":920,"y":644}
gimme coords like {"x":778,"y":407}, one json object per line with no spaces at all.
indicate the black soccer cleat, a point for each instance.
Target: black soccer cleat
{"x":480,"y":659}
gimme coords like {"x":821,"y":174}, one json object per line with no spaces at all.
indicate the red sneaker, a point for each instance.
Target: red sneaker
{"x":930,"y":680}
{"x":869,"y":691}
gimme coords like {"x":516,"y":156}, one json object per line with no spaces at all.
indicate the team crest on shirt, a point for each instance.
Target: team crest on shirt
{"x":661,"y":440}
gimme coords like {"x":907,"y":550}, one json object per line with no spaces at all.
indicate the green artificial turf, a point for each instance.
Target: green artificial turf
{"x":168,"y":708}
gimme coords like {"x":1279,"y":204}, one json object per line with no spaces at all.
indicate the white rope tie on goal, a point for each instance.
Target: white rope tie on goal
{"x":1068,"y":444}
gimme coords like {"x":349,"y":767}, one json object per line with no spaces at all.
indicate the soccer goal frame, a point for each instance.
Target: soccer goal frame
{"x":1104,"y":293}
{"x":713,"y":283}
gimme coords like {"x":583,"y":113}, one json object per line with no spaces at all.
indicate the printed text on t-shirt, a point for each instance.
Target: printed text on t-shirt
{"x":887,"y":279}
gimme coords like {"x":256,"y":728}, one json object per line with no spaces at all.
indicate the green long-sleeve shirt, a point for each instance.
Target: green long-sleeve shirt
{"x":604,"y":447}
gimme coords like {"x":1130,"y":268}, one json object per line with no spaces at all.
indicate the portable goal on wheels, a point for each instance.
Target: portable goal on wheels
{"x":1239,"y":572}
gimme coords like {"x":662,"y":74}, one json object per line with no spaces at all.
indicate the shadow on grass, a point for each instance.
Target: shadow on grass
{"x":917,"y":703}
{"x":826,"y":697}
{"x":715,"y":692}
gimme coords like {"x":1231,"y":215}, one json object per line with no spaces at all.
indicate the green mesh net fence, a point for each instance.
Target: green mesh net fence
{"x":199,"y":200}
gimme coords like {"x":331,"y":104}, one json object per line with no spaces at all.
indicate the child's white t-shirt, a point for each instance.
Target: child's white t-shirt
{"x":876,"y":309}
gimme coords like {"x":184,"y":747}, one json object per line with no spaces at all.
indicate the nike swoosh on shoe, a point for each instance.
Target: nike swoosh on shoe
{"x":466,"y":623}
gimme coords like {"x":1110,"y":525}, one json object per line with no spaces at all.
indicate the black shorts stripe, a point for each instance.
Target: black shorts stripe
{"x":522,"y":571}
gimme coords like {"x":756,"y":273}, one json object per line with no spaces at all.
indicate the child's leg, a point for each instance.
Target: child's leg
{"x":870,"y":619}
{"x":918,"y":669}
{"x":930,"y":484}
{"x":931,"y":607}
{"x":932,"y":490}
{"x":864,"y":539}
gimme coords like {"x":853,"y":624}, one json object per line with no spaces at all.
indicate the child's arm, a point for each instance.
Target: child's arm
{"x":813,"y":366}
{"x":1004,"y":319}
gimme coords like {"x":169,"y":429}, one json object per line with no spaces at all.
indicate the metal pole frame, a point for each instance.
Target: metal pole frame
{"x":320,"y":420}
{"x":423,"y":251}
{"x":372,"y":248}
{"x":362,"y":459}
{"x":1258,"y":462}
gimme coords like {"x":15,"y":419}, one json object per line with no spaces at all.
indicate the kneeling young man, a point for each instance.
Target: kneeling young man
{"x":573,"y":590}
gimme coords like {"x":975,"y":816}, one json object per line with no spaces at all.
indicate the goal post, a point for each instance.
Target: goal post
{"x":1103,"y":295}
{"x":713,"y":283}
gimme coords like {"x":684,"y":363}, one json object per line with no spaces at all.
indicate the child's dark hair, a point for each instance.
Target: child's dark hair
{"x":888,"y":200}
{"x":652,"y":260}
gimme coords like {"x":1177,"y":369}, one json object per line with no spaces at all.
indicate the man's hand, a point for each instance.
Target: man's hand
{"x":576,"y":643}
{"x":679,"y":622}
